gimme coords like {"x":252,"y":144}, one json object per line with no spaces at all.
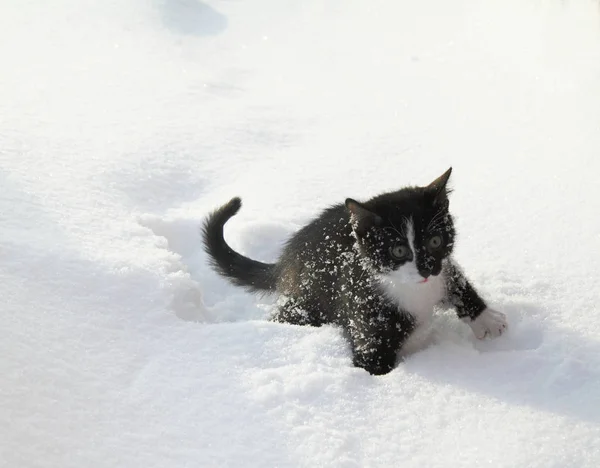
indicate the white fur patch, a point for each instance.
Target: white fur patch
{"x":407,"y":273}
{"x":405,"y":287}
{"x":418,"y":299}
{"x":489,"y":323}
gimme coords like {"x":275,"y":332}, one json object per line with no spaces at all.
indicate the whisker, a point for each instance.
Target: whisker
{"x":436,"y":226}
{"x":438,"y":218}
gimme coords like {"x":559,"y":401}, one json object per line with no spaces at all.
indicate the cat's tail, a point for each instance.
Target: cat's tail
{"x":243,"y":271}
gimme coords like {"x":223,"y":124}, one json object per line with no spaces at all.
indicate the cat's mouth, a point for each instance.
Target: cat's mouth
{"x":424,"y":280}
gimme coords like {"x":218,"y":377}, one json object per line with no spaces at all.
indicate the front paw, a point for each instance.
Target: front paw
{"x":489,"y":323}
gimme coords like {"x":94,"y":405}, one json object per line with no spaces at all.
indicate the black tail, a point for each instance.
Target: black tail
{"x":243,"y":271}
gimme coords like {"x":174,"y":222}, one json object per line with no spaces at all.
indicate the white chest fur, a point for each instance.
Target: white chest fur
{"x":418,"y":299}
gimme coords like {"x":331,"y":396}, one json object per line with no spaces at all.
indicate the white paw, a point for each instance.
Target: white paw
{"x":489,"y":323}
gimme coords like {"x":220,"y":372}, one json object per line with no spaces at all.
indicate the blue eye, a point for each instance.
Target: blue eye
{"x":399,"y":252}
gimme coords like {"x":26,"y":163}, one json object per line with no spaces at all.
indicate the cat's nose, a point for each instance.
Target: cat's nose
{"x":425,"y":273}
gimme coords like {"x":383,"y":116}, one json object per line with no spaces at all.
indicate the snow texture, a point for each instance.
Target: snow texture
{"x":122,"y":124}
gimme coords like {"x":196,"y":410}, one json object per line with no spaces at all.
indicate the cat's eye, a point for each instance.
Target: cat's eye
{"x":399,"y":252}
{"x":434,"y":242}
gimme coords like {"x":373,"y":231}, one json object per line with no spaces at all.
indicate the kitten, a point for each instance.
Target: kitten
{"x":377,"y":269}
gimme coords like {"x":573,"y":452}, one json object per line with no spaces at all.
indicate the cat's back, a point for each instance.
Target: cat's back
{"x":312,"y":255}
{"x":331,"y":227}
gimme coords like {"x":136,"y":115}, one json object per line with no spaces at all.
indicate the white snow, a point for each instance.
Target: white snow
{"x":122,"y":124}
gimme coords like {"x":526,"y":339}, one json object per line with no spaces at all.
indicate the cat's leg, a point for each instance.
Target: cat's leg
{"x":377,"y":337}
{"x":296,"y":312}
{"x":470,"y":307}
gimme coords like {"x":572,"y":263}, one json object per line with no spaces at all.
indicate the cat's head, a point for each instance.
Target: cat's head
{"x":408,"y":233}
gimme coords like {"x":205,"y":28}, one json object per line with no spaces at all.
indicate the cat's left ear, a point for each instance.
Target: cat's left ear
{"x":438,"y":189}
{"x":362,"y":218}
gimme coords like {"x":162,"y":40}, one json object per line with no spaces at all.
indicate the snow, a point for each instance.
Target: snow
{"x":122,"y":124}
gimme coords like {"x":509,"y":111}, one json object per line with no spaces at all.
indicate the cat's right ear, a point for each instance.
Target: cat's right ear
{"x":362,"y":218}
{"x":438,"y":189}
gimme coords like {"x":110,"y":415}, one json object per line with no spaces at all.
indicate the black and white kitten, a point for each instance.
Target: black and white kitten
{"x":376,"y":268}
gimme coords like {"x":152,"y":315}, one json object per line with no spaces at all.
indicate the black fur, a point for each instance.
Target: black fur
{"x":243,"y":271}
{"x":329,"y":271}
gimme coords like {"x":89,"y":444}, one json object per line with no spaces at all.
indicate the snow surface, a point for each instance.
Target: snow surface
{"x":123,"y":123}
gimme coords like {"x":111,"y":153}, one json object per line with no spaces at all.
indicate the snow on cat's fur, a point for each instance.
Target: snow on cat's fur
{"x":377,"y":269}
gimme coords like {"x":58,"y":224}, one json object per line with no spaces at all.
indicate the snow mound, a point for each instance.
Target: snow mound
{"x":123,"y":124}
